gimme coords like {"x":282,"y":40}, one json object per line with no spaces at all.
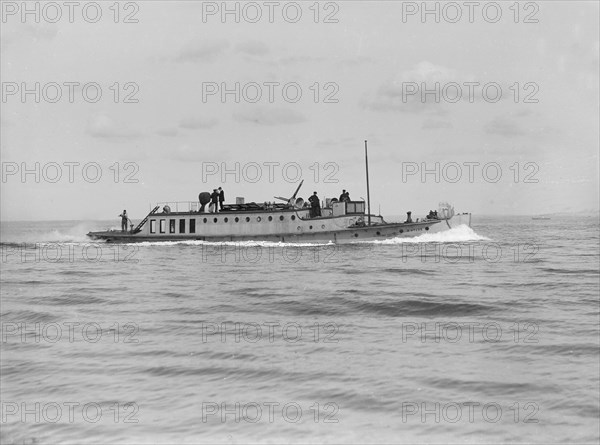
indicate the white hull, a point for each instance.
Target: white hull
{"x":278,"y":226}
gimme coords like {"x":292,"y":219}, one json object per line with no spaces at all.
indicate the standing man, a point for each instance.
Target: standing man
{"x":221,"y":198}
{"x":315,"y":205}
{"x":124,"y":219}
{"x":214,"y":201}
{"x":345,"y":196}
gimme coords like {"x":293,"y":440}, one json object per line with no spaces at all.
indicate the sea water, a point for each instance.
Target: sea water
{"x":474,"y":335}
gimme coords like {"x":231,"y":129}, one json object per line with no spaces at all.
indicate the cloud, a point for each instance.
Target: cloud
{"x":196,"y":123}
{"x":5,"y":122}
{"x":349,"y":141}
{"x":302,"y":59}
{"x":202,"y":51}
{"x":168,"y":132}
{"x":270,"y":116}
{"x":404,"y":92}
{"x":430,"y":124}
{"x":356,"y":61}
{"x":102,"y":126}
{"x":29,"y":33}
{"x":252,"y":48}
{"x":186,"y":153}
{"x":504,"y":126}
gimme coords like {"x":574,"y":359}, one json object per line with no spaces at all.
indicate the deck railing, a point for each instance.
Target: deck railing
{"x":178,"y":206}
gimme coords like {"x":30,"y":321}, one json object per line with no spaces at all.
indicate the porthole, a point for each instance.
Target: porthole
{"x":216,"y":220}
{"x":247,"y":219}
{"x":270,"y":218}
{"x":378,"y":233}
{"x":426,"y":228}
{"x":293,"y":217}
{"x":323,"y":226}
{"x":310,"y":227}
{"x":226,"y":219}
{"x":356,"y":235}
{"x":205,"y":220}
{"x":401,"y":231}
{"x":281,"y":218}
{"x":237,"y":219}
{"x":299,"y":228}
{"x":258,"y":218}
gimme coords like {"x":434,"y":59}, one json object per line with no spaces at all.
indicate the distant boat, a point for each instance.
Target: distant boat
{"x":541,"y":218}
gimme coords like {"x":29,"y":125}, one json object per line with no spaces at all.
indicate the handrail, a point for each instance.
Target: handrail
{"x":179,"y":206}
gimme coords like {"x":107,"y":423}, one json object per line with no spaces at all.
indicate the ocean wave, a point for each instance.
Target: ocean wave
{"x":422,"y":308}
{"x":75,"y":234}
{"x":462,"y":233}
{"x":570,"y":271}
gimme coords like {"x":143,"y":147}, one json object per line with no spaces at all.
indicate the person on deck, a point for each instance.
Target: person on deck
{"x":315,"y":205}
{"x":221,"y":198}
{"x":345,"y":196}
{"x":124,"y":219}
{"x":214,"y":201}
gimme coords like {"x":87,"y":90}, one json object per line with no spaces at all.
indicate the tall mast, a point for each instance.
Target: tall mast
{"x":368,"y":197}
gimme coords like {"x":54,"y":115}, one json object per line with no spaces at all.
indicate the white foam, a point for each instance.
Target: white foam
{"x":65,"y":235}
{"x":462,"y":233}
{"x":265,"y":244}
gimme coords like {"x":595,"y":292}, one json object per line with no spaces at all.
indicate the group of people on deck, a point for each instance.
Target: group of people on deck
{"x":315,"y":203}
{"x":217,"y":198}
{"x":345,"y":196}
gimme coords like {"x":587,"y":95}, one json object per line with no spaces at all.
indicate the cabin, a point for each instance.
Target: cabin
{"x":251,"y":220}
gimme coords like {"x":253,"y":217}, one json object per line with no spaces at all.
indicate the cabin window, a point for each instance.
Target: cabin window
{"x":182,"y":226}
{"x":171,"y":226}
{"x":355,"y":207}
{"x":270,"y":218}
{"x":216,"y":220}
{"x":152,"y":226}
{"x":205,"y":220}
{"x":281,"y":218}
{"x":258,"y":218}
{"x":192,"y":225}
{"x":226,"y":220}
{"x":163,"y":225}
{"x":237,"y":219}
{"x":247,"y":219}
{"x":293,"y":217}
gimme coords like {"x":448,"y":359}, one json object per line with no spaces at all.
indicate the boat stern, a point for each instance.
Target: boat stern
{"x":111,"y":236}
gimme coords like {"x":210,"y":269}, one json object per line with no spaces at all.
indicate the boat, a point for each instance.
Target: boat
{"x":291,"y":222}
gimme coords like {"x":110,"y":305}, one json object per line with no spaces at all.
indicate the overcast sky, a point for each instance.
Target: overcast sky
{"x":355,"y":69}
